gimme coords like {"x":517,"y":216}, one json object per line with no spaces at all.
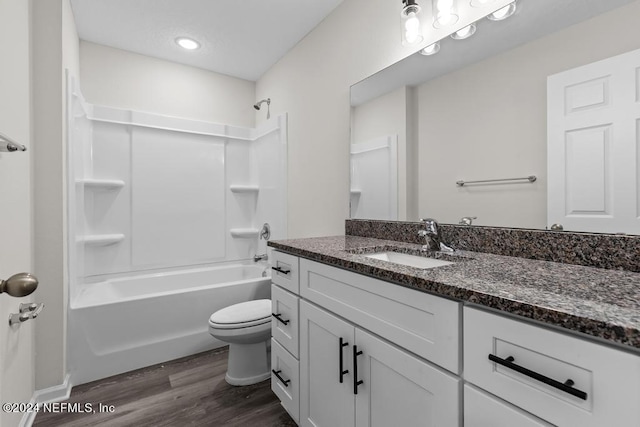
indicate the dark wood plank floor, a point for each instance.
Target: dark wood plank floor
{"x":186,"y":392}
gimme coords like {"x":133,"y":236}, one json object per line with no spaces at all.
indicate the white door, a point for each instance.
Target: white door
{"x":399,"y":389}
{"x":16,"y":343}
{"x":324,"y":400}
{"x":593,"y":146}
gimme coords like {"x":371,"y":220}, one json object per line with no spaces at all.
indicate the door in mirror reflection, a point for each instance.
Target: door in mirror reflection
{"x":593,"y":146}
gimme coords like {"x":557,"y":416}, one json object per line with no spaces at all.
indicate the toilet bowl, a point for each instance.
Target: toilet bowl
{"x":246,"y":327}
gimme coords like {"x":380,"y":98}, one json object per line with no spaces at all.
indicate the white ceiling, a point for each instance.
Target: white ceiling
{"x":238,"y":38}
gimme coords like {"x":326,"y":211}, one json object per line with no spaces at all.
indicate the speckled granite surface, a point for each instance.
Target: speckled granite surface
{"x":598,"y":302}
{"x":611,"y":251}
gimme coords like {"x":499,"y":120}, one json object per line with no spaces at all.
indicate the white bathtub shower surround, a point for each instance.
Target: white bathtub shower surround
{"x":177,"y":201}
{"x":127,"y":323}
{"x":156,"y":205}
{"x":374,"y":178}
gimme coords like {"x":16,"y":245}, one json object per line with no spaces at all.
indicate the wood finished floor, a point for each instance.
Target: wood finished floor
{"x":186,"y":392}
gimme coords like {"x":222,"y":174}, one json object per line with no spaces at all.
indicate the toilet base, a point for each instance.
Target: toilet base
{"x":248,"y":364}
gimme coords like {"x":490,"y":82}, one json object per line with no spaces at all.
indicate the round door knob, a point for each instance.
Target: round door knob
{"x":19,"y":285}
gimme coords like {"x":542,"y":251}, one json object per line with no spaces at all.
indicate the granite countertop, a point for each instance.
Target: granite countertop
{"x":598,"y":302}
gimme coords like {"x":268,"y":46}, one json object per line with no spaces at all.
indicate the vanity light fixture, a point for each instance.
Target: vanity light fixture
{"x":503,"y":13}
{"x":410,"y":16}
{"x":187,"y":43}
{"x":432,"y":49}
{"x":444,"y":13}
{"x":464,"y":33}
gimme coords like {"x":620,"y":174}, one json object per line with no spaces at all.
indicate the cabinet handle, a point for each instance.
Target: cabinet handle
{"x":282,"y":380}
{"x":566,"y":386}
{"x":279,"y":317}
{"x":281,"y":270}
{"x":343,"y":371}
{"x":356,"y":382}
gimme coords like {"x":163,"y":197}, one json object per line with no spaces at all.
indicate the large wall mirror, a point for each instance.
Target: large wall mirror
{"x":478,"y":110}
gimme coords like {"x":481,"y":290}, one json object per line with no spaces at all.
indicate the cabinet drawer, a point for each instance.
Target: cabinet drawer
{"x":284,"y":271}
{"x":483,"y":410}
{"x":608,"y":377}
{"x":424,"y":324}
{"x":287,"y":387}
{"x":284,"y":325}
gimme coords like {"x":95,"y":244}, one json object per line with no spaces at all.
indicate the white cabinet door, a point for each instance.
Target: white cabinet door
{"x":593,"y":119}
{"x":324,"y":400}
{"x":398,"y":389}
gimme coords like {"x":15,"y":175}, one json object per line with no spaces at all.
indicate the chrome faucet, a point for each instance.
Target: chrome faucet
{"x":431,"y":233}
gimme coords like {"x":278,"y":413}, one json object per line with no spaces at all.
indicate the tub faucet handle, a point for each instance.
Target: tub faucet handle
{"x":265,"y":232}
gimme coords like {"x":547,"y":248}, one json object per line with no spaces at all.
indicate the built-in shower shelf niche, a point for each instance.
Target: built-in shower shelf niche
{"x":102,"y":184}
{"x":101,"y":239}
{"x":251,"y":189}
{"x":244,"y":233}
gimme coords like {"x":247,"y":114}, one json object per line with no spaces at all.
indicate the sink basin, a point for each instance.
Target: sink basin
{"x":409,"y":260}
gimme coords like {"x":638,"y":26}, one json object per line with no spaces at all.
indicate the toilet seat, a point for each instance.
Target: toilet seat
{"x":242,"y":315}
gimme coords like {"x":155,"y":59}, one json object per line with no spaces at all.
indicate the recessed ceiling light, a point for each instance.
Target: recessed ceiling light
{"x":187,"y":43}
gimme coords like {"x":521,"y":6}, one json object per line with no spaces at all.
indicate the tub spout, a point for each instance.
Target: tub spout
{"x":261,"y":257}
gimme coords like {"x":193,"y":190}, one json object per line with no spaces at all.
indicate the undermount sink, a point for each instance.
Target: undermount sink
{"x":408,"y":260}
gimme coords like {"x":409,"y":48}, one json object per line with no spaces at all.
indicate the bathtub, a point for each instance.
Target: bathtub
{"x":127,"y":323}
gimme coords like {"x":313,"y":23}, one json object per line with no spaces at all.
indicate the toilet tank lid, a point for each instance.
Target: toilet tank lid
{"x":243,"y":312}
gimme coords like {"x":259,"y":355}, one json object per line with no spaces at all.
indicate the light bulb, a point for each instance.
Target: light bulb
{"x":412,"y":28}
{"x":444,"y":13}
{"x":411,"y":25}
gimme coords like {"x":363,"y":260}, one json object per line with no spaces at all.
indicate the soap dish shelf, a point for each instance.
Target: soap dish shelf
{"x":244,"y":233}
{"x":244,"y":189}
{"x":101,"y":239}
{"x":102,"y":184}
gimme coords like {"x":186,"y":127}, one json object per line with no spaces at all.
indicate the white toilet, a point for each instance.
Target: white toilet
{"x":246,"y":327}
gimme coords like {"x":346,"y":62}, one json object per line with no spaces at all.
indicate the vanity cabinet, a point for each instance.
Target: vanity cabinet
{"x":562,"y":379}
{"x":350,"y":350}
{"x":351,"y":377}
{"x":285,"y":365}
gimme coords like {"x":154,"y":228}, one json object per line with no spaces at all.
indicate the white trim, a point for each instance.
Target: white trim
{"x":101,"y":113}
{"x":375,"y":144}
{"x":56,"y":393}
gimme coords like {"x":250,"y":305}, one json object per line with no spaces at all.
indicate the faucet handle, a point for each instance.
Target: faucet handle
{"x":430,"y":224}
{"x":467,"y":220}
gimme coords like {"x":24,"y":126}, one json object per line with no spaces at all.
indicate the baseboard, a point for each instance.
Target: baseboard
{"x":56,"y":393}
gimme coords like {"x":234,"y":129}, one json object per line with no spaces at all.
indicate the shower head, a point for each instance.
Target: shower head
{"x":259,"y":103}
